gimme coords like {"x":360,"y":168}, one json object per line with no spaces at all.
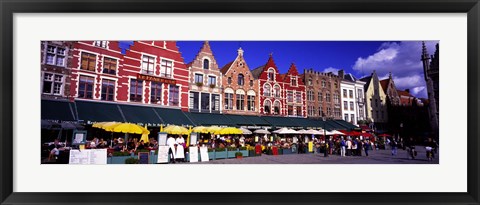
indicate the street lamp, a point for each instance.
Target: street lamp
{"x":325,"y":154}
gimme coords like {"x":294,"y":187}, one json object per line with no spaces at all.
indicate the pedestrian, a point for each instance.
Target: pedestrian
{"x":367,"y":147}
{"x":349,"y":147}
{"x":393,"y":144}
{"x":359,"y":148}
{"x":342,"y":147}
{"x":354,"y":147}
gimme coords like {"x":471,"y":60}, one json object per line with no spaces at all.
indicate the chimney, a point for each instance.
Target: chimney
{"x":341,"y":74}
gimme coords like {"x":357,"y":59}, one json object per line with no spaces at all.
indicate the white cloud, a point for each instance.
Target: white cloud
{"x":420,"y":92}
{"x":331,"y":69}
{"x":402,"y":60}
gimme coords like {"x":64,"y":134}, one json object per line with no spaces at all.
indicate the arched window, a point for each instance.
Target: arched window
{"x":206,"y":64}
{"x":271,"y":74}
{"x":267,"y":107}
{"x":309,"y":81}
{"x":266,"y":90}
{"x":276,"y":108}
{"x":241,"y":79}
{"x":277,"y":91}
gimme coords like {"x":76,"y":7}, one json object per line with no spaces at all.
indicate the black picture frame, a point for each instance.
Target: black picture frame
{"x":10,"y":7}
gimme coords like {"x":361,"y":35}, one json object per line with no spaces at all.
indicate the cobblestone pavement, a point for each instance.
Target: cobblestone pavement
{"x":375,"y":157}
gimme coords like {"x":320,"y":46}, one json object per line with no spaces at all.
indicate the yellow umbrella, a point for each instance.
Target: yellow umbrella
{"x":213,"y":129}
{"x":145,"y":134}
{"x":176,"y":130}
{"x":200,"y":129}
{"x":128,"y":128}
{"x":106,"y":126}
{"x":230,"y":131}
{"x":161,"y":128}
{"x":98,"y":124}
{"x":189,"y":132}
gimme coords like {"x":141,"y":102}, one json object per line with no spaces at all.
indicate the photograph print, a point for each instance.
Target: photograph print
{"x":239,"y":102}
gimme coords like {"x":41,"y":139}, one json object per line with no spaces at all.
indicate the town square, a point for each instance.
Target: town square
{"x":239,"y":102}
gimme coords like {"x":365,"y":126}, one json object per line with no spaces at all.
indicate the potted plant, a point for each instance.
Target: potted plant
{"x":238,"y":155}
{"x":199,"y":84}
{"x":212,"y":85}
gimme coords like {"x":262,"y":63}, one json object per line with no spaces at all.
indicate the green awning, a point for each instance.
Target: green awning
{"x":280,"y":121}
{"x":208,"y":119}
{"x":140,"y":114}
{"x":98,"y":111}
{"x":173,"y":116}
{"x":240,"y":120}
{"x":57,"y":110}
{"x":345,"y":124}
{"x":256,"y":120}
{"x":307,"y":123}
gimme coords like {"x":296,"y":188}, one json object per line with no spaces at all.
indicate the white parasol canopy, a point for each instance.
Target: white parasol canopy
{"x":285,"y":131}
{"x":261,"y":131}
{"x":246,"y":131}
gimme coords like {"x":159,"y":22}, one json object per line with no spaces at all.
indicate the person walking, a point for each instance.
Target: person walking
{"x":354,"y":147}
{"x":393,"y":144}
{"x":342,"y":147}
{"x":367,"y":147}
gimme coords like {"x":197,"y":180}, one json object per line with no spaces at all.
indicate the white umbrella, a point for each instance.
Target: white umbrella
{"x":305,"y":132}
{"x":336,"y":132}
{"x":314,"y":132}
{"x":261,"y":131}
{"x":326,"y":132}
{"x":246,"y":131}
{"x":285,"y":131}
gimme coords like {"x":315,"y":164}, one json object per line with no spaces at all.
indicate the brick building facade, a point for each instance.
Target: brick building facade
{"x":205,"y":82}
{"x":55,"y":63}
{"x":323,"y":94}
{"x":149,"y":72}
{"x":295,"y":96}
{"x":240,"y":89}
{"x":271,"y":92}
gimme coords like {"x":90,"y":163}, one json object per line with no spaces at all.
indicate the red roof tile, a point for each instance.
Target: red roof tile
{"x":226,"y":67}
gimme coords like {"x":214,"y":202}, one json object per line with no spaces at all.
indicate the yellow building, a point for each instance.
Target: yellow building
{"x":375,"y":101}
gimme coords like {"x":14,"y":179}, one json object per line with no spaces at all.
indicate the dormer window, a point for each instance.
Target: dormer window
{"x":294,"y":81}
{"x":271,"y":74}
{"x":206,"y":64}
{"x":102,"y":44}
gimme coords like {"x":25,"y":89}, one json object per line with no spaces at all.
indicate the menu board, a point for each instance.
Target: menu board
{"x":88,"y":156}
{"x":193,"y":152}
{"x":162,"y":138}
{"x":162,"y":154}
{"x":143,"y":157}
{"x":193,"y":138}
{"x":204,"y":154}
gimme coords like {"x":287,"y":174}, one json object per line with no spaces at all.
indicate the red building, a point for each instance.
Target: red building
{"x":149,"y":72}
{"x":272,"y":97}
{"x":295,"y":93}
{"x":95,"y":70}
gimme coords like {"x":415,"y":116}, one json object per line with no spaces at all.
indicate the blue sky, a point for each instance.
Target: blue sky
{"x":401,"y":58}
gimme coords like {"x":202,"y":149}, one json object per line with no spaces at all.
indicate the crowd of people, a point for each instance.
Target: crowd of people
{"x":343,"y":146}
